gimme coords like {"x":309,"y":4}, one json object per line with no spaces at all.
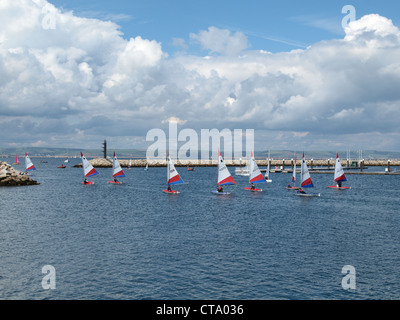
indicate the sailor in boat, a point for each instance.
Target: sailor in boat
{"x":220,"y":189}
{"x":302,"y":191}
{"x":85,"y":181}
{"x":252,"y":187}
{"x":339,"y":184}
{"x":169,"y":188}
{"x":115,"y":180}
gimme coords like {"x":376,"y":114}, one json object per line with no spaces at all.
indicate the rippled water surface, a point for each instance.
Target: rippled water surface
{"x":134,"y":242}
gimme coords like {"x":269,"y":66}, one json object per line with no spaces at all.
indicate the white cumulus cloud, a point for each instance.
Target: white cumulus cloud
{"x":83,"y":81}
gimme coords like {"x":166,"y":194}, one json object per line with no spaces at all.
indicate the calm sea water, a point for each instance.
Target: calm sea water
{"x":132,"y":241}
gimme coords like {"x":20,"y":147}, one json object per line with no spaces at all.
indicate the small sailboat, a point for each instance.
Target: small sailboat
{"x":16,"y":163}
{"x":268,"y":171}
{"x":339,"y":176}
{"x":243,"y":171}
{"x":190,"y":168}
{"x":255,"y":175}
{"x":224,"y":178}
{"x":130,"y":164}
{"x":147,"y":167}
{"x":28,"y":164}
{"x":306,"y":181}
{"x":88,"y":170}
{"x":66,"y":161}
{"x":292,"y":184}
{"x":61,"y":166}
{"x":117,"y":171}
{"x":173,"y":177}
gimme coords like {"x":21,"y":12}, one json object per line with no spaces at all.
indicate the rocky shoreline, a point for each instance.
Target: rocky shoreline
{"x":10,"y":177}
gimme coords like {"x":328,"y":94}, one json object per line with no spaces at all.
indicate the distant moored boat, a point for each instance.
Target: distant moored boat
{"x":16,"y":163}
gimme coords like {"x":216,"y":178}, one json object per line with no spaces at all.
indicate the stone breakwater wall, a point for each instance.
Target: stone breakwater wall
{"x":10,"y":177}
{"x":107,"y":163}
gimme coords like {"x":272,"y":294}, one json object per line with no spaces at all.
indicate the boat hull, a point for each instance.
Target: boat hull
{"x":253,"y":190}
{"x":113,"y":182}
{"x":220,"y":193}
{"x":338,"y":188}
{"x":87,"y":183}
{"x":307,"y":194}
{"x":171,"y":192}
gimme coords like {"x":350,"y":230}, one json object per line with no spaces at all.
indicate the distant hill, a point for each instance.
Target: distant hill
{"x":66,"y":152}
{"x":141,"y":154}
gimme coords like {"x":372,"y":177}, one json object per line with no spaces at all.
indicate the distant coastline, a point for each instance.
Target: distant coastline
{"x":140,"y":154}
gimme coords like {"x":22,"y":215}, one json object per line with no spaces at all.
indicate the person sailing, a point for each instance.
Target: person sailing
{"x":220,"y":189}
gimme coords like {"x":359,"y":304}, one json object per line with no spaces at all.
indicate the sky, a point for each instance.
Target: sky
{"x":305,"y":75}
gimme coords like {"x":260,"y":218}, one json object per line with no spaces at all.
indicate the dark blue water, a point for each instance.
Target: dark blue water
{"x":134,"y":242}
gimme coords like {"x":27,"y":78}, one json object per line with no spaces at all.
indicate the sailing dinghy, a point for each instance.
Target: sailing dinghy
{"x":28,"y":164}
{"x":173,"y":177}
{"x":224,"y":178}
{"x":88,"y":170}
{"x":16,"y":163}
{"x":292,"y":184}
{"x":255,"y":175}
{"x":267,"y":179}
{"x":306,"y":181}
{"x":339,"y":176}
{"x":117,"y":171}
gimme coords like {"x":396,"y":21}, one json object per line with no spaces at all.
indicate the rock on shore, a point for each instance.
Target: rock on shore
{"x":10,"y":177}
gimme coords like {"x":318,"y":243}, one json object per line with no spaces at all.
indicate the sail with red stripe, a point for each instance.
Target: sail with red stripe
{"x":339,"y":172}
{"x":173,"y":176}
{"x":255,"y":173}
{"x":223,"y":176}
{"x":28,"y":163}
{"x":88,"y":169}
{"x":305,"y":175}
{"x":294,"y":171}
{"x":117,"y":170}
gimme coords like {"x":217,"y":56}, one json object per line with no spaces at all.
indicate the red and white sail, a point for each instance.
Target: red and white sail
{"x":117,"y":170}
{"x":223,"y":175}
{"x":88,"y":169}
{"x":305,"y":175}
{"x":294,"y":172}
{"x":173,"y":176}
{"x":255,"y":173}
{"x":339,"y":172}
{"x":28,"y":163}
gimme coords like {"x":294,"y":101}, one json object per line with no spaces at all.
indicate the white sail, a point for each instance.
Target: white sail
{"x":173,"y":176}
{"x":255,"y":173}
{"x":339,"y":172}
{"x":28,"y":163}
{"x":88,"y":169}
{"x":223,"y":175}
{"x":305,"y":175}
{"x":117,"y":170}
